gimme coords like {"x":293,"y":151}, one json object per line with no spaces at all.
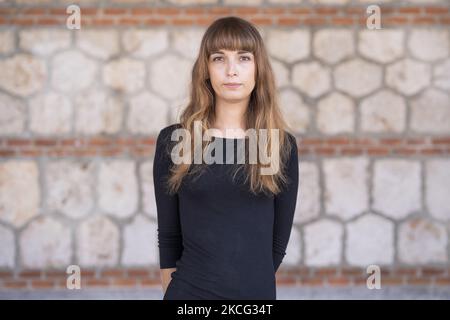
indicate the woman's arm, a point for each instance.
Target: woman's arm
{"x":170,"y":240}
{"x":285,"y":203}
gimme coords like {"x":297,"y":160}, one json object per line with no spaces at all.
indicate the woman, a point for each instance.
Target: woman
{"x":223,"y":228}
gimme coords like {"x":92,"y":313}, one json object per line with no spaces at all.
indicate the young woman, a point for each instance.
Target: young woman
{"x":223,"y":228}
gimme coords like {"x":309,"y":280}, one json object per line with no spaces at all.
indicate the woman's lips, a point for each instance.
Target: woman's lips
{"x":232,"y":86}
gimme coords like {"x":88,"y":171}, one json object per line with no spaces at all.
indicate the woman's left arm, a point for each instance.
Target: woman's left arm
{"x":285,"y":203}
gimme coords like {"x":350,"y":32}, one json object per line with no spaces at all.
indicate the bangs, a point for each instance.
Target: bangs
{"x":231,"y":36}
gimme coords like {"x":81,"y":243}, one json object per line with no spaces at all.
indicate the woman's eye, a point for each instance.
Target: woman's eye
{"x":246,"y":58}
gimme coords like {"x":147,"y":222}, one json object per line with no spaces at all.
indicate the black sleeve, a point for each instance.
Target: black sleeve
{"x":169,"y":228}
{"x":285,"y":203}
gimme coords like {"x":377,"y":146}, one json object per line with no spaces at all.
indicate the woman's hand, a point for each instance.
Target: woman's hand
{"x":166,"y":277}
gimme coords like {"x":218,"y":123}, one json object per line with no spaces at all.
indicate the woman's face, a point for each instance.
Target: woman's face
{"x":227,"y":67}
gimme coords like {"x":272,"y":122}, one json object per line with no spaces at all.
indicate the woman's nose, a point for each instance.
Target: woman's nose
{"x":231,"y":68}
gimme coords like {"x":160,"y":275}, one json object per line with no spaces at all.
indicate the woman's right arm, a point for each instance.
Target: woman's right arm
{"x":170,"y":241}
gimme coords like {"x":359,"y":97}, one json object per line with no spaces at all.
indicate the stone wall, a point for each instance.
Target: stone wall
{"x":80,"y":111}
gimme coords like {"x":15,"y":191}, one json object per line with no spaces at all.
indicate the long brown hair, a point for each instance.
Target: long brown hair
{"x":263,"y":112}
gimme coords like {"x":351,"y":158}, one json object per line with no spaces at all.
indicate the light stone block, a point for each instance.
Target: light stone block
{"x":357,"y":77}
{"x":429,"y":44}
{"x":383,"y":111}
{"x":422,"y":241}
{"x":382,"y":46}
{"x":311,"y":78}
{"x":7,"y":248}
{"x":140,"y":243}
{"x":396,"y":187}
{"x":147,"y":114}
{"x":124,"y":75}
{"x":118,"y":188}
{"x":295,"y":111}
{"x":176,"y":107}
{"x":102,"y":44}
{"x":44,"y":41}
{"x":187,"y":42}
{"x":23,"y":74}
{"x":97,"y":242}
{"x":333,"y":45}
{"x":6,"y":41}
{"x":288,"y":46}
{"x":430,"y":112}
{"x":335,"y":114}
{"x":12,"y":115}
{"x":408,"y":76}
{"x":70,"y":188}
{"x":308,"y":196}
{"x":148,"y":189}
{"x":338,"y":2}
{"x":437,"y":186}
{"x":346,"y":193}
{"x":145,"y":43}
{"x":370,"y":240}
{"x":50,"y":113}
{"x":293,"y":250}
{"x":281,"y":73}
{"x":72,"y":71}
{"x":248,"y":2}
{"x":98,"y":112}
{"x":19,"y":178}
{"x":45,"y":243}
{"x":170,"y":76}
{"x":190,"y":2}
{"x":441,"y":75}
{"x":323,"y":243}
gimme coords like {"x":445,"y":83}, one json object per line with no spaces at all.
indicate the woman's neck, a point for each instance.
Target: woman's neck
{"x":230,"y":116}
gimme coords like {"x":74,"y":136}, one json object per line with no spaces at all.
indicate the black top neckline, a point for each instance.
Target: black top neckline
{"x":228,"y":138}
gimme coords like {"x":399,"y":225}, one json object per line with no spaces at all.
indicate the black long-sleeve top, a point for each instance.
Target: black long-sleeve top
{"x":224,"y":240}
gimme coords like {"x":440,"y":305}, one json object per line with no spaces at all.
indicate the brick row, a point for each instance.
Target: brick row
{"x":172,"y":15}
{"x":287,"y":276}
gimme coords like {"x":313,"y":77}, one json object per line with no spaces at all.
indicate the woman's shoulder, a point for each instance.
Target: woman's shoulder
{"x":164,"y":142}
{"x":291,"y":138}
{"x":169,"y":129}
{"x":165,"y":133}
